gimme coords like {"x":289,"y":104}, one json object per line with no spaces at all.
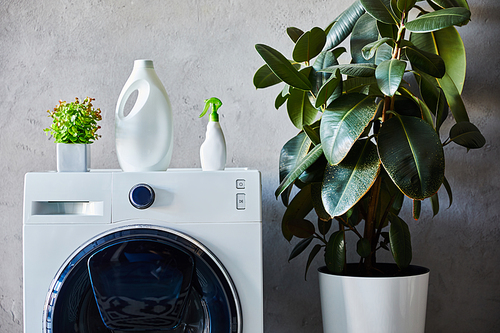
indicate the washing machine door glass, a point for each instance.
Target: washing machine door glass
{"x":142,"y":279}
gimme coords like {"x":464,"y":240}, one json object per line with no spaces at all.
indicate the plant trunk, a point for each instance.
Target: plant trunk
{"x":370,"y":230}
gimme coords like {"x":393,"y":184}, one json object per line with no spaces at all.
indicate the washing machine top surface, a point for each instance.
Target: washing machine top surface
{"x":181,"y":195}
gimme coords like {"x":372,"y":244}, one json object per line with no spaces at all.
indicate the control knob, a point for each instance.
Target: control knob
{"x":141,"y":196}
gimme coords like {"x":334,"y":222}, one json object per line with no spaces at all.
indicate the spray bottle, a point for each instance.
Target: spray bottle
{"x":213,"y":149}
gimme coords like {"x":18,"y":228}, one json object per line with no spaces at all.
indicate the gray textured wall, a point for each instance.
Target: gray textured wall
{"x":59,"y":49}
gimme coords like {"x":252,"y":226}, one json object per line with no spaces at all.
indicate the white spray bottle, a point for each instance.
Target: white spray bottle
{"x":213,"y":149}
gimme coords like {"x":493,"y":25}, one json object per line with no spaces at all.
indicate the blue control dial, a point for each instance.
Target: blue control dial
{"x":141,"y":196}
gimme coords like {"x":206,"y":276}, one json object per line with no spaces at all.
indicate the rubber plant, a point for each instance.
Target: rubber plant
{"x":370,"y":130}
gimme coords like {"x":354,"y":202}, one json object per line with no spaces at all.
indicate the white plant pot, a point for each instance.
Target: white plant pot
{"x":374,"y":304}
{"x":73,"y":157}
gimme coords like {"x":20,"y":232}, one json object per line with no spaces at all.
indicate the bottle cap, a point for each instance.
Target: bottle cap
{"x":143,"y":63}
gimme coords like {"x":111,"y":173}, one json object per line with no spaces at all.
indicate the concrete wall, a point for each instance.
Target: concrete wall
{"x":60,"y":49}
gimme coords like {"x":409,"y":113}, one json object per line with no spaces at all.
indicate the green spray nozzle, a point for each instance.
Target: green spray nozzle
{"x":216,"y":104}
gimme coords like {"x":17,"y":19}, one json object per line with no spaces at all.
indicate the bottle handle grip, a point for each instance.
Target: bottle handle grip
{"x":143,"y":91}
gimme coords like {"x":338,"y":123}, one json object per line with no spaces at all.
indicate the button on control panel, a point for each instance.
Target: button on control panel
{"x":240,"y":197}
{"x":240,"y":184}
{"x":240,"y":201}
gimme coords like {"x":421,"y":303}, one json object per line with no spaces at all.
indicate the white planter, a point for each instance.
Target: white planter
{"x":374,"y":304}
{"x":73,"y":157}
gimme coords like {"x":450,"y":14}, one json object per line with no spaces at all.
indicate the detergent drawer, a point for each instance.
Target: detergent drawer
{"x":58,"y":197}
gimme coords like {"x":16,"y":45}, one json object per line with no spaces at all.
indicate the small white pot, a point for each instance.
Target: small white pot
{"x":374,"y":304}
{"x":73,"y":157}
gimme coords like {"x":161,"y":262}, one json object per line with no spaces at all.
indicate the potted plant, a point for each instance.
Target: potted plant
{"x":370,"y":136}
{"x":74,"y":128}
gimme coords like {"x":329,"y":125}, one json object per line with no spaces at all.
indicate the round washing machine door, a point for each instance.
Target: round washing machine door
{"x":142,"y":279}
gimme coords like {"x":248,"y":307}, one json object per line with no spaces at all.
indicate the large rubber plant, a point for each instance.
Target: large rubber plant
{"x":368,"y":138}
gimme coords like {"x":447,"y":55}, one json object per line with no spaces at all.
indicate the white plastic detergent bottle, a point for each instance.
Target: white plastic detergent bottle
{"x":213,"y":149}
{"x":144,"y":137}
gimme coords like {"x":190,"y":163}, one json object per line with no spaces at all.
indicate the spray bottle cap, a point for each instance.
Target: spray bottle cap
{"x":216,"y":104}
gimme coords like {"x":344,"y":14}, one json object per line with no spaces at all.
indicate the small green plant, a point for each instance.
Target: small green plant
{"x":74,"y":122}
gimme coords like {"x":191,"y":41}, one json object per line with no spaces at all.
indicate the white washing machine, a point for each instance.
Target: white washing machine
{"x":175,"y":251}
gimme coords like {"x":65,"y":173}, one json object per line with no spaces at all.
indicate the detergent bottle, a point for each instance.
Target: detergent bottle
{"x":213,"y":149}
{"x":144,"y":136}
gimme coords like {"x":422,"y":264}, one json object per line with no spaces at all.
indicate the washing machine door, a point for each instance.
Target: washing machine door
{"x":142,"y":279}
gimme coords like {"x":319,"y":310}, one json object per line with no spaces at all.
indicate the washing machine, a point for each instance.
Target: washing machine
{"x":112,"y":251}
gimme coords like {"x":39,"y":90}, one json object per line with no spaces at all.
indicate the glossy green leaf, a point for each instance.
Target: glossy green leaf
{"x":298,"y":209}
{"x":453,"y":98}
{"x":407,"y":106}
{"x":451,"y":3}
{"x":384,"y":52}
{"x":282,"y":67}
{"x":394,"y":7}
{"x":309,"y":45}
{"x":299,"y":108}
{"x":417,"y":207}
{"x":425,"y":112}
{"x":448,"y":44}
{"x":355,"y":84}
{"x":339,"y":51}
{"x":462,"y":3}
{"x":294,"y":33}
{"x":439,"y":19}
{"x":405,"y":5}
{"x":312,"y":134}
{"x":370,"y":49}
{"x":399,"y":235}
{"x":300,"y":247}
{"x":412,"y":154}
{"x":346,"y":183}
{"x":328,"y":89}
{"x":365,"y":31}
{"x":429,"y":63}
{"x":264,"y":78}
{"x":324,"y":60}
{"x":280,"y":100}
{"x":358,"y":70}
{"x":323,"y":216}
{"x":381,"y":10}
{"x":335,"y":255}
{"x":324,"y":226}
{"x":343,"y":25}
{"x":387,"y":30}
{"x":441,"y":110}
{"x":448,"y":191}
{"x":390,"y":200}
{"x":300,"y":167}
{"x":291,"y":155}
{"x":467,"y":135}
{"x":301,"y":228}
{"x":311,"y":257}
{"x":389,"y":75}
{"x":435,"y":204}
{"x":363,"y":248}
{"x":343,"y":123}
{"x":314,"y":173}
{"x":434,"y":98}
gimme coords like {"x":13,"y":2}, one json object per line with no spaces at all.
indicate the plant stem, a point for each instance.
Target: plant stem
{"x":369,"y":232}
{"x":351,"y":228}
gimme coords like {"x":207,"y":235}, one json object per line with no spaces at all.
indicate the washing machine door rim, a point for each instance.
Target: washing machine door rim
{"x":99,"y":242}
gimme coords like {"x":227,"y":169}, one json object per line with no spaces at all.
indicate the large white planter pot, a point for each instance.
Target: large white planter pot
{"x":72,"y":157}
{"x":352,"y":304}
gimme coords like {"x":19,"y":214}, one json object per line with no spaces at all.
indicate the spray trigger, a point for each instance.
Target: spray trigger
{"x":216,"y":104}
